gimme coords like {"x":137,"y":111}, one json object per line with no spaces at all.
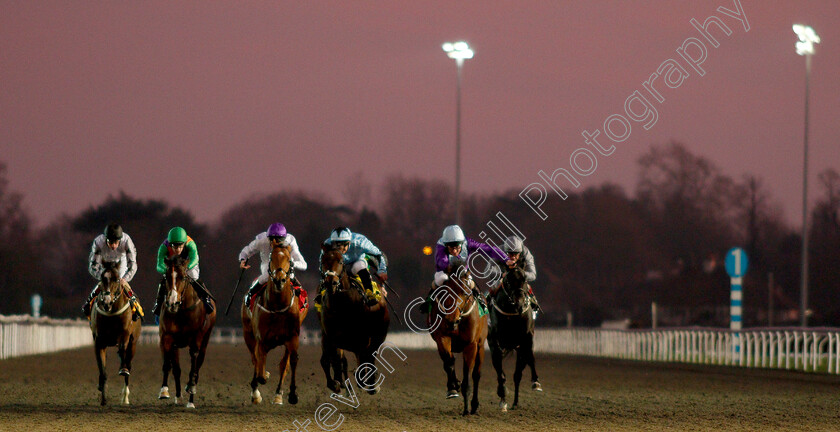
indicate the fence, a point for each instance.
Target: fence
{"x":23,"y":335}
{"x":809,"y":350}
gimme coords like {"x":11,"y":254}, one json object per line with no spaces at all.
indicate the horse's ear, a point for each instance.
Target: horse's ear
{"x":326,"y":247}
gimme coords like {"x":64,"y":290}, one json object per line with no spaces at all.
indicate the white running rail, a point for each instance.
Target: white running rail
{"x":23,"y":335}
{"x":808,"y":350}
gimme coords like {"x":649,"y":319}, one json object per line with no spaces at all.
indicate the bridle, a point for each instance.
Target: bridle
{"x":280,"y":276}
{"x":512,"y":299}
{"x":105,"y":295}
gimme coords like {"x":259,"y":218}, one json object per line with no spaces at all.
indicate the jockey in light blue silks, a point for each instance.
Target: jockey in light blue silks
{"x":355,"y":248}
{"x":276,"y":235}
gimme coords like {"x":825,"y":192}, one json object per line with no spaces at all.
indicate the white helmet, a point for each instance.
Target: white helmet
{"x":452,"y":234}
{"x":340,"y":234}
{"x":513,"y":244}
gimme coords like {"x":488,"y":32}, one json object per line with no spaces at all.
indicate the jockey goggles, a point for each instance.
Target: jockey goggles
{"x":277,"y":238}
{"x":452,"y":244}
{"x":176,"y":244}
{"x":339,"y":244}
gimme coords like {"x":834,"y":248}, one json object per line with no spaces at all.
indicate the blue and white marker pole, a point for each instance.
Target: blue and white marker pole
{"x":736,"y":265}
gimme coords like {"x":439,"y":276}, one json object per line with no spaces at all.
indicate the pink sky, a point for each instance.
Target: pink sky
{"x":206,"y":103}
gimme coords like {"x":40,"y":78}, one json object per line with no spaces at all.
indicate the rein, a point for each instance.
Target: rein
{"x":507,"y":294}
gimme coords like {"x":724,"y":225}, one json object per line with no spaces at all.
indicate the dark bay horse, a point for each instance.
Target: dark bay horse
{"x":461,"y":329}
{"x":512,"y":328}
{"x":111,"y":324}
{"x":347,"y":324}
{"x":184,"y":322}
{"x":274,"y":321}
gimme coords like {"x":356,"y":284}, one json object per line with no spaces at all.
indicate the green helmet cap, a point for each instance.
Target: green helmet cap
{"x":177,"y":235}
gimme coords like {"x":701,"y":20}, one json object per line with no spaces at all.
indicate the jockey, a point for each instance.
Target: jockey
{"x":113,"y":246}
{"x":179,"y":243}
{"x":276,"y":235}
{"x":355,"y":248}
{"x":519,"y":256}
{"x":454,"y":244}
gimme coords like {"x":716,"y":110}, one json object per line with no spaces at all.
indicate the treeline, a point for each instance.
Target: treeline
{"x":601,"y":255}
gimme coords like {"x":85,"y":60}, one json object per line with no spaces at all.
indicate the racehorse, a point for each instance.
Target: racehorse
{"x":275,"y":321}
{"x":111,"y":324}
{"x":512,"y":328}
{"x":347,"y":323}
{"x":460,"y":328}
{"x":184,"y":322}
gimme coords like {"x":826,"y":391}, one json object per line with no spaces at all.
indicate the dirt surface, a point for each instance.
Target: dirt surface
{"x":57,"y":392}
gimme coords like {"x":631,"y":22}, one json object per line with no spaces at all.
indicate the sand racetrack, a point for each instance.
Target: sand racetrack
{"x":57,"y":392}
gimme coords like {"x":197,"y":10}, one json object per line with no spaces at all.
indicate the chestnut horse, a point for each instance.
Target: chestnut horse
{"x":512,"y":328}
{"x":459,"y":327}
{"x":275,"y":321}
{"x":111,"y":324}
{"x":184,"y":322}
{"x":347,"y":323}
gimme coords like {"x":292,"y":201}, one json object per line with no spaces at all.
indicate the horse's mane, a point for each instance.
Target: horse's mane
{"x":177,"y":261}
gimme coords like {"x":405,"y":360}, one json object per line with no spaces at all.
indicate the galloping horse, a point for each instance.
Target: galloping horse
{"x":461,"y":328}
{"x":111,"y":324}
{"x":184,"y":322}
{"x":512,"y":328}
{"x":275,"y":321}
{"x":346,"y":322}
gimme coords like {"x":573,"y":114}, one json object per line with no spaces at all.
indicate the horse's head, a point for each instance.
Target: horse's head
{"x":280,"y":266}
{"x":455,"y":298}
{"x":514,"y":291}
{"x":176,"y":282}
{"x":111,"y":287}
{"x":332,"y":268}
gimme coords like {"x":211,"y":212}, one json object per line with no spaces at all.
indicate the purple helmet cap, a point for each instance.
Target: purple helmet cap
{"x":276,"y":230}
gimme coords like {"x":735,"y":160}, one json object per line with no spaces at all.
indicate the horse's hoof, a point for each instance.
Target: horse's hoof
{"x":452,"y":394}
{"x":124,"y":372}
{"x":503,"y":406}
{"x":124,"y":394}
{"x":293,"y":399}
{"x":190,"y":405}
{"x":102,"y":401}
{"x":191,"y":389}
{"x":256,"y":397}
{"x":175,"y":400}
{"x":278,"y":400}
{"x":374,"y":391}
{"x":535,"y":386}
{"x":164,"y":393}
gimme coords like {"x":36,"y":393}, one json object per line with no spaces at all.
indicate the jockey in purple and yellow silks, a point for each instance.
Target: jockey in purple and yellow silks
{"x":179,"y":243}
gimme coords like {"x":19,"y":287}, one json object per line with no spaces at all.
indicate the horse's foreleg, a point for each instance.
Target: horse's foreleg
{"x":469,"y":362}
{"x":521,"y":361}
{"x":497,"y":356}
{"x":193,"y":376}
{"x":100,"y":363}
{"x":284,"y":367}
{"x":326,"y":362}
{"x":165,"y":348}
{"x":476,"y":375}
{"x":448,"y":367}
{"x":176,"y":372}
{"x":293,"y":361}
{"x":532,"y":363}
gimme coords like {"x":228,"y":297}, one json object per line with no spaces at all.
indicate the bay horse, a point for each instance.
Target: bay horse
{"x":347,"y":323}
{"x":184,"y":322}
{"x":461,"y":329}
{"x":112,"y":325}
{"x":512,"y":328}
{"x":275,"y":321}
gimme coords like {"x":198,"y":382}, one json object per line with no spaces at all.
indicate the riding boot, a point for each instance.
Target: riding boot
{"x":86,"y":306}
{"x":159,"y":300}
{"x":255,"y":288}
{"x":535,"y":305}
{"x":370,"y":297}
{"x":204,"y":293}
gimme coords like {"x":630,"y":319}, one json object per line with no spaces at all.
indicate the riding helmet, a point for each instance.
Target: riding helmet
{"x":177,"y":235}
{"x":452,"y":234}
{"x":277,"y":230}
{"x":513,"y":244}
{"x":340,"y":234}
{"x":113,"y":232}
